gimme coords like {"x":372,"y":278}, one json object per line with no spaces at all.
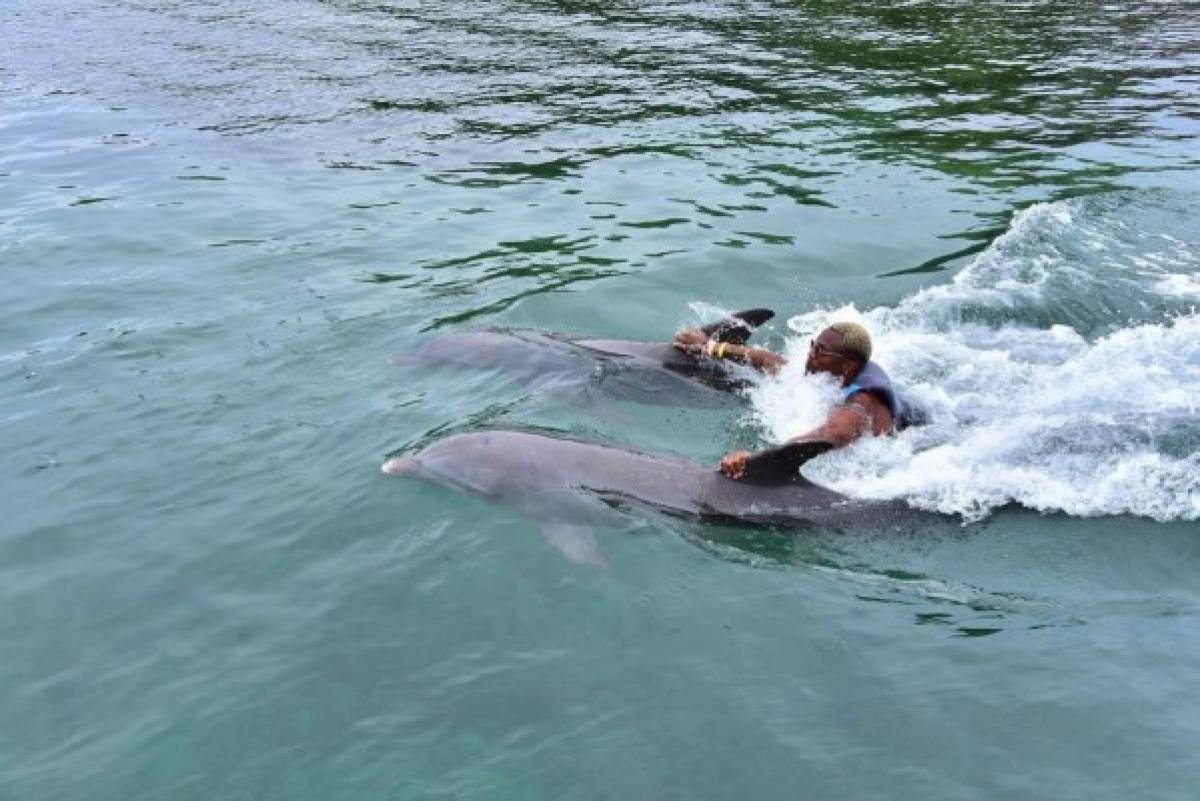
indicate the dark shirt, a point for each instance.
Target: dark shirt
{"x":871,"y":378}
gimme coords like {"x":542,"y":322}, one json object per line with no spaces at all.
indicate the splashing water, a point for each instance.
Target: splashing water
{"x":1061,"y":368}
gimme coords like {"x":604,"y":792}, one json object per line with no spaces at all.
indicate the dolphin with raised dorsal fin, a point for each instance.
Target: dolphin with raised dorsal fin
{"x":735,"y":329}
{"x":653,"y":372}
{"x":563,"y":483}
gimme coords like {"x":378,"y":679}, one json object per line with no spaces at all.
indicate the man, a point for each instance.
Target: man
{"x":842,"y":350}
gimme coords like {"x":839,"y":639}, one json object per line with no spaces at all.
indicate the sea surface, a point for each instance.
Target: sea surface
{"x":233,"y":235}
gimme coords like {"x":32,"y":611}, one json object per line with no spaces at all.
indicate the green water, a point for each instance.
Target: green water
{"x":224,"y":227}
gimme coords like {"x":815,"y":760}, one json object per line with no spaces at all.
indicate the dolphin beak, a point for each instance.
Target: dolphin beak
{"x":400,"y":466}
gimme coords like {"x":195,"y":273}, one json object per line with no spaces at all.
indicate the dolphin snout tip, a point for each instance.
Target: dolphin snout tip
{"x":399,"y":466}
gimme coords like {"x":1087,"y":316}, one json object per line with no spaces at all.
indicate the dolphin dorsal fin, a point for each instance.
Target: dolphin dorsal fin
{"x":736,"y":328}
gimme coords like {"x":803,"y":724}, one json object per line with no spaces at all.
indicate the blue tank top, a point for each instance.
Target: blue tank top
{"x":873,"y":379}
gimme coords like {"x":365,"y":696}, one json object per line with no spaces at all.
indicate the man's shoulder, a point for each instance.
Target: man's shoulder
{"x":872,"y":373}
{"x":876,"y":406}
{"x":866,"y":396}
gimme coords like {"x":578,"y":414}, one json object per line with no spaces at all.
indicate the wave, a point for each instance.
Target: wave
{"x":1061,"y":367}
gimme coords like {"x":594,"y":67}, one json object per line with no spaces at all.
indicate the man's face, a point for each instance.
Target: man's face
{"x":825,"y":354}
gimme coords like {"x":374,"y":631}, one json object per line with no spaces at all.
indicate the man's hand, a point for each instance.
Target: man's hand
{"x":690,"y":340}
{"x":733,"y":464}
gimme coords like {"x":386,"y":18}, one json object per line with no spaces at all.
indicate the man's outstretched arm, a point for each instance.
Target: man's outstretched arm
{"x":694,"y":341}
{"x":845,"y":424}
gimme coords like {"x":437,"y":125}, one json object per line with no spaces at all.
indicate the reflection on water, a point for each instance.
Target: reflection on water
{"x":966,"y":611}
{"x":779,"y":103}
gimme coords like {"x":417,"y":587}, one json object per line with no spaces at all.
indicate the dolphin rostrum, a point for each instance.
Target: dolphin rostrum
{"x":563,"y":484}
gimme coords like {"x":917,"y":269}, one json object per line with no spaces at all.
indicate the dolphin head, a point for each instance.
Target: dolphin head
{"x":473,"y":461}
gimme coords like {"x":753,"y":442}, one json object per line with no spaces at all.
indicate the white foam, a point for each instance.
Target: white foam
{"x":1180,"y":286}
{"x":1035,"y":415}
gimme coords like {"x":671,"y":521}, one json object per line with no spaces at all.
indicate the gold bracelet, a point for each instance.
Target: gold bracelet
{"x":721,"y":350}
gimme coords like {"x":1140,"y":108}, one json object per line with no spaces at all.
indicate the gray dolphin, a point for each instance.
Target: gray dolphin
{"x":650,"y":372}
{"x":735,"y":329}
{"x":564,"y":484}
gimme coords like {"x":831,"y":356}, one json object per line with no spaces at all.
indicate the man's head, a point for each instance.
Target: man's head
{"x":840,"y":350}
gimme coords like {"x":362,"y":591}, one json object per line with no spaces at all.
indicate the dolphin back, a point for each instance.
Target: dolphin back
{"x":542,"y":474}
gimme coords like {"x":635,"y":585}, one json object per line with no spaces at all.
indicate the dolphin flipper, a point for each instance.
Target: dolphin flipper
{"x":575,"y":542}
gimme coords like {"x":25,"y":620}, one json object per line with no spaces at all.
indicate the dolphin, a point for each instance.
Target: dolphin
{"x":565,"y":484}
{"x":735,"y":329}
{"x":652,"y":372}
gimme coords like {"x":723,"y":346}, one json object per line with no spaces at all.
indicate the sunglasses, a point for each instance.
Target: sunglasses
{"x":822,"y":351}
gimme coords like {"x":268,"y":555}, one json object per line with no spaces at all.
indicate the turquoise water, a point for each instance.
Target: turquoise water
{"x":227,"y":228}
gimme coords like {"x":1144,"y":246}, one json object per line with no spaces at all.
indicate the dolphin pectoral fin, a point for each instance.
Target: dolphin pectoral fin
{"x":575,"y":542}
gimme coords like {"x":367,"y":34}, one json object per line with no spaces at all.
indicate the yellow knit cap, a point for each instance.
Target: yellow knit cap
{"x":855,"y":339}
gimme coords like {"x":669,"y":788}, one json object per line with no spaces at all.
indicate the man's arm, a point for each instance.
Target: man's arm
{"x":845,"y":424}
{"x":694,"y":341}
